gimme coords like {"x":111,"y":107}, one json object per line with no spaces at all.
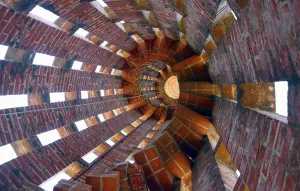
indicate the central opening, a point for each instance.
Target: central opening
{"x":172,"y":87}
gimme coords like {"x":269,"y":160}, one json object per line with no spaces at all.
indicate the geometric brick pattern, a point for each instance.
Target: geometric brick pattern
{"x":157,"y":176}
{"x":104,"y":181}
{"x":176,"y":162}
{"x":259,"y":44}
{"x":196,"y":103}
{"x":189,"y":141}
{"x":205,"y":171}
{"x":198,"y":21}
{"x":197,"y":123}
{"x":264,"y":150}
{"x":131,"y":176}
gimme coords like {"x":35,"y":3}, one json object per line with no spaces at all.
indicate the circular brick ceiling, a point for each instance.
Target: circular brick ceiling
{"x":172,"y":87}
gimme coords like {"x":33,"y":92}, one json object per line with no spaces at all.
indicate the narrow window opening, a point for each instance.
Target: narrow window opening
{"x":44,"y":14}
{"x":120,"y":53}
{"x":140,"y":146}
{"x":123,"y":132}
{"x":121,"y":25}
{"x":178,"y":16}
{"x":101,"y":117}
{"x":102,"y":3}
{"x":103,"y":45}
{"x":84,"y":95}
{"x":3,"y":50}
{"x":238,"y":173}
{"x":116,"y":72}
{"x":116,"y":113}
{"x":57,"y":97}
{"x":112,"y":71}
{"x":98,"y":68}
{"x":149,"y":135}
{"x":81,"y":125}
{"x":110,"y":142}
{"x":7,"y":153}
{"x":156,"y":30}
{"x":77,"y":65}
{"x":12,"y":101}
{"x":134,"y":38}
{"x":281,"y":97}
{"x":102,"y":93}
{"x":43,"y":59}
{"x":146,"y":14}
{"x":137,"y":38}
{"x":49,"y":184}
{"x":49,"y":137}
{"x":234,"y":15}
{"x":90,"y":157}
{"x":81,"y":33}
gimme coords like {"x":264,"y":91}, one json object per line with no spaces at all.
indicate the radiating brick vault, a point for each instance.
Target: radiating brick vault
{"x":155,"y":95}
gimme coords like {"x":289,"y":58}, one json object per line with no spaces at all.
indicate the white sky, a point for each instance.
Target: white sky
{"x":124,"y":133}
{"x":102,"y":93}
{"x":90,"y":157}
{"x":234,"y":15}
{"x":102,"y":3}
{"x":114,"y":111}
{"x":238,"y":173}
{"x":12,"y":101}
{"x":98,"y":69}
{"x":134,"y":38}
{"x":3,"y":50}
{"x":84,"y":95}
{"x":81,"y":32}
{"x":77,"y":65}
{"x":43,"y":59}
{"x":110,"y":142}
{"x":112,"y":71}
{"x":57,"y":97}
{"x":7,"y":153}
{"x":100,"y":116}
{"x":281,"y":96}
{"x":81,"y":125}
{"x":49,"y":184}
{"x":119,"y":53}
{"x":104,"y":44}
{"x":45,"y":14}
{"x":49,"y":137}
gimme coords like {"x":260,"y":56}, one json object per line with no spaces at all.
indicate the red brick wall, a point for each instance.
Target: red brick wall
{"x":123,"y":149}
{"x":39,"y":37}
{"x":261,"y":45}
{"x":264,"y":150}
{"x":294,"y":104}
{"x":205,"y":172}
{"x":89,"y":18}
{"x":41,"y":118}
{"x":165,"y":15}
{"x":198,"y":21}
{"x":130,"y":14}
{"x":41,"y":164}
{"x":17,"y":78}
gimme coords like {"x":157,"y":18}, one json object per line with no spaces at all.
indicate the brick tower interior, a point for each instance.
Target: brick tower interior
{"x":149,"y":95}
